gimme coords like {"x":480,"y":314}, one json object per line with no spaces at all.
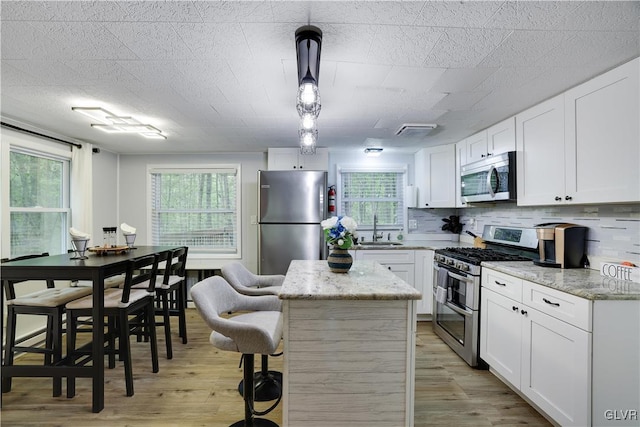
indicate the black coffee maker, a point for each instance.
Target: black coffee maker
{"x":561,"y":245}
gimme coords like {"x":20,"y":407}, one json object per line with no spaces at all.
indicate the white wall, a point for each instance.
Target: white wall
{"x":133,"y":198}
{"x":357,"y":157}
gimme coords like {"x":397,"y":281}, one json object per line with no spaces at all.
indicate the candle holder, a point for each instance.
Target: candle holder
{"x":80,"y":247}
{"x":130,"y":239}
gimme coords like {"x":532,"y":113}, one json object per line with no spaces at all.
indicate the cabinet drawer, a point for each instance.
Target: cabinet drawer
{"x":387,"y":256}
{"x":566,"y":307}
{"x":504,"y":284}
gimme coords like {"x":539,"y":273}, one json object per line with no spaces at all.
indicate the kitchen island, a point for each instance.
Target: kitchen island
{"x":349,"y":346}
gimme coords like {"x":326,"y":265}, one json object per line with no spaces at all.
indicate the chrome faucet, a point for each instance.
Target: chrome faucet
{"x":376,"y":236}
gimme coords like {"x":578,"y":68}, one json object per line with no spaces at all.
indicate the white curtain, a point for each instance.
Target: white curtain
{"x":82,"y":188}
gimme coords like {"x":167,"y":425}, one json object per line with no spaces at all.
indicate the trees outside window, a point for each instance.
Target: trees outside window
{"x":38,"y":203}
{"x":197,"y":207}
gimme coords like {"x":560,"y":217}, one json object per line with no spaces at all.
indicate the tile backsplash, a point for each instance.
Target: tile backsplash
{"x":614,"y":230}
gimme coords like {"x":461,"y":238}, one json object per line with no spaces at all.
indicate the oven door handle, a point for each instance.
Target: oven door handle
{"x":459,"y":277}
{"x":459,"y":310}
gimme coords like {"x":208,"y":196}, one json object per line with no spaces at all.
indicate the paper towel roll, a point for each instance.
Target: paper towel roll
{"x":411,"y":196}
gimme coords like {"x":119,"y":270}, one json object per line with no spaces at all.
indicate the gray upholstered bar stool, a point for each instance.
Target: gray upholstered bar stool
{"x":258,"y":330}
{"x":267,"y":383}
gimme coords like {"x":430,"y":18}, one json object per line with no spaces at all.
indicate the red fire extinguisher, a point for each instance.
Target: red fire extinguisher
{"x":332,"y":199}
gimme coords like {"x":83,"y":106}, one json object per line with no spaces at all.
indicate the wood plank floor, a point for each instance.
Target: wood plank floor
{"x":198,"y":387}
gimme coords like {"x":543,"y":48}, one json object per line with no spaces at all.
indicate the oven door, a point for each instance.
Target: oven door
{"x":456,"y":325}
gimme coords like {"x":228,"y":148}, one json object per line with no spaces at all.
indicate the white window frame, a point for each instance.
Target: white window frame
{"x":30,"y":145}
{"x":340,"y":169}
{"x":195,"y":252}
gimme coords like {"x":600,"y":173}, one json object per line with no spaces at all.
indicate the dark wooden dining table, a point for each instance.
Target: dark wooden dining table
{"x":95,"y":268}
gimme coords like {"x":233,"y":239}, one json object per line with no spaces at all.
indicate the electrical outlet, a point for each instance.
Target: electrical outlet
{"x":413,"y":224}
{"x":253,"y":219}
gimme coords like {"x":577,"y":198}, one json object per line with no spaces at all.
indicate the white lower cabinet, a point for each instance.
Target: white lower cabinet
{"x":413,"y":266}
{"x":545,"y":358}
{"x":573,"y":358}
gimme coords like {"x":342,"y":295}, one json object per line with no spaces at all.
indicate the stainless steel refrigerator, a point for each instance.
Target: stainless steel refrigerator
{"x":291,"y":205}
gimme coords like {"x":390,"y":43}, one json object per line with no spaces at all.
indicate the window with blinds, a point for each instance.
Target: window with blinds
{"x":365,"y":193}
{"x":198,"y":207}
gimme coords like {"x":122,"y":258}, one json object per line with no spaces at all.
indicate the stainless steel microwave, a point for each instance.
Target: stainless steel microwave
{"x":490,"y":179}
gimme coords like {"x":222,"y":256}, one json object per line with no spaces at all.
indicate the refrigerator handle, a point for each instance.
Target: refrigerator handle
{"x":321,"y":202}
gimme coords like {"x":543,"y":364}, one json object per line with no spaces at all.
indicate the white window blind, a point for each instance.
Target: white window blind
{"x":197,"y":207}
{"x":365,"y":193}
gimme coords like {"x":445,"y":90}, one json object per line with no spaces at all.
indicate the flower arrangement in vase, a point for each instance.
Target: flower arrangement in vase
{"x":339,"y":231}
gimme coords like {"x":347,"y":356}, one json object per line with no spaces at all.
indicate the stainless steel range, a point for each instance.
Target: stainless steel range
{"x":456,"y":285}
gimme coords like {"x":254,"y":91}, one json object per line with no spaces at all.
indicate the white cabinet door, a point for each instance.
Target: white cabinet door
{"x":318,"y":161}
{"x":403,"y":271}
{"x":437,"y":181}
{"x":501,"y":137}
{"x":477,"y":146}
{"x":501,"y":335}
{"x":423,"y":279}
{"x":602,"y":137}
{"x":291,"y":159}
{"x":540,"y":153}
{"x":556,"y":362}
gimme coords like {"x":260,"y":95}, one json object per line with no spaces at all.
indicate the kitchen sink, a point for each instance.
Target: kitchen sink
{"x":380,"y":243}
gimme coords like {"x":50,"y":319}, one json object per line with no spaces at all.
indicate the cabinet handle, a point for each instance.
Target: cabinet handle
{"x":523,"y":312}
{"x":482,"y":155}
{"x":426,"y":204}
{"x":500,"y":284}
{"x":295,"y":167}
{"x":558,"y":198}
{"x":568,"y":197}
{"x":489,"y":154}
{"x":300,"y":167}
{"x":514,"y":308}
{"x":555,"y":304}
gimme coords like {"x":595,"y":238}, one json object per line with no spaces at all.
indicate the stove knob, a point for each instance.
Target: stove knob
{"x":465,"y":267}
{"x":450,"y":262}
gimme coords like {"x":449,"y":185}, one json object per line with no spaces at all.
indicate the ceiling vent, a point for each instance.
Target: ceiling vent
{"x":415,"y":130}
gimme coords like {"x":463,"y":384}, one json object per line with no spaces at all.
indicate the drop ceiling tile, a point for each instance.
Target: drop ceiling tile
{"x":524,"y":48}
{"x":462,"y":79}
{"x":464,"y":48}
{"x":219,"y":40}
{"x":457,"y":13}
{"x":359,"y":75}
{"x":81,"y":11}
{"x":150,"y":40}
{"x":347,"y":42}
{"x":160,"y":11}
{"x":234,"y":11}
{"x":412,"y":78}
{"x":348,"y":12}
{"x":12,"y":76}
{"x":55,"y":73}
{"x":615,"y":46}
{"x":403,"y":45}
{"x":600,"y":15}
{"x":460,"y":100}
{"x":509,"y":78}
{"x":531,"y":15}
{"x":270,"y":41}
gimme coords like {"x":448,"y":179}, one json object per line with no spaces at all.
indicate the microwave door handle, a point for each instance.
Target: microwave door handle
{"x":492,"y":170}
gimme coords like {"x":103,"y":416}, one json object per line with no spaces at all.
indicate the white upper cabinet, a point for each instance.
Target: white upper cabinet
{"x":291,"y":159}
{"x":582,"y":146}
{"x":435,"y":176}
{"x":499,"y":138}
{"x":602,"y":145}
{"x":540,"y":153}
{"x":476,"y":147}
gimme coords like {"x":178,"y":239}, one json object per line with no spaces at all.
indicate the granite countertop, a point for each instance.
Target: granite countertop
{"x":582,"y":282}
{"x":413,"y":245}
{"x":367,"y":280}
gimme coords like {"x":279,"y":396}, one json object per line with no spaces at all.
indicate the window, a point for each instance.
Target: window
{"x":38,"y":203}
{"x":364,"y":193}
{"x":197,"y":207}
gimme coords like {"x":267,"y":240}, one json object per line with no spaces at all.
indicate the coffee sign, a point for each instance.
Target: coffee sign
{"x":620,"y":272}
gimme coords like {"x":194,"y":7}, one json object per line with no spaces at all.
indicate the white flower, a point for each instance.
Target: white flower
{"x":329,"y":223}
{"x":349,"y":224}
{"x":340,"y":242}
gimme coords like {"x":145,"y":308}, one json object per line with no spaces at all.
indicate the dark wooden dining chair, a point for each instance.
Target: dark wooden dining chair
{"x":171,"y":295}
{"x":120,"y":305}
{"x":49,"y":302}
